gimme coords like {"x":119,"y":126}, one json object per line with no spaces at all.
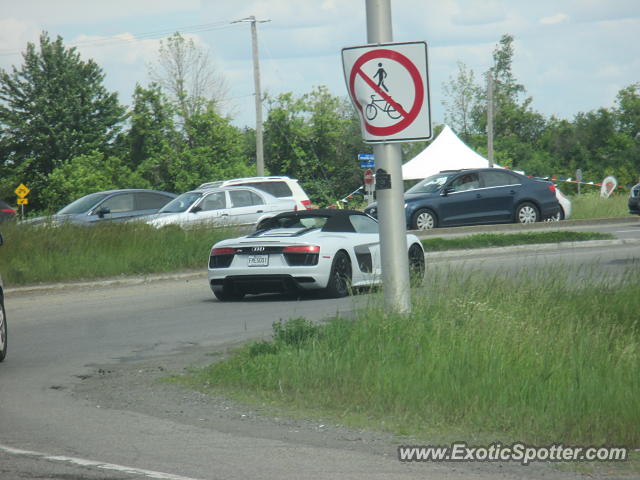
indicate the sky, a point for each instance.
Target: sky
{"x":572,"y":56}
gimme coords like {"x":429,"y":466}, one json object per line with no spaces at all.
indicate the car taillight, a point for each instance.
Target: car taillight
{"x":302,"y":249}
{"x":10,"y":211}
{"x":223,"y":251}
{"x":301,"y":255}
{"x":552,"y":188}
{"x":221,"y":257}
{"x":306,"y":203}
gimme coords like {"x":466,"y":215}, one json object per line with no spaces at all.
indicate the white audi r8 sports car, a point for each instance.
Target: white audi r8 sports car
{"x":332,"y":250}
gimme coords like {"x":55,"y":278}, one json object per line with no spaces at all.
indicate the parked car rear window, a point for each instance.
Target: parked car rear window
{"x":498,"y":179}
{"x":277,"y":189}
{"x":244,"y":198}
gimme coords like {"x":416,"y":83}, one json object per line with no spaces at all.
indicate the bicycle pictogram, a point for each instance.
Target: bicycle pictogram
{"x":371,"y":110}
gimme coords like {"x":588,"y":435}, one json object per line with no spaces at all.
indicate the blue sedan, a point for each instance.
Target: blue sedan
{"x":477,"y":196}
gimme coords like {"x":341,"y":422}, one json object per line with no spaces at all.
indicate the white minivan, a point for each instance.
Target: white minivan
{"x":279,"y":187}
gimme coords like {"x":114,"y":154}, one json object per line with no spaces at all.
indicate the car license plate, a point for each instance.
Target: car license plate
{"x":258,"y":261}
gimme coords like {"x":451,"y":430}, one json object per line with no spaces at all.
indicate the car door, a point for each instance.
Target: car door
{"x":366,"y":247}
{"x":497,"y":197}
{"x":458,"y":205}
{"x":212,"y":207}
{"x":246,"y":207}
{"x":118,"y":206}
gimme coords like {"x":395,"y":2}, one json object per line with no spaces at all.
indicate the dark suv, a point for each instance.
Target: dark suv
{"x":634,"y":200}
{"x":477,"y":196}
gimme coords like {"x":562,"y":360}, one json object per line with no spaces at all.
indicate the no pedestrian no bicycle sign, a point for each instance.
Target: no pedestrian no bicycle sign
{"x":389,"y":86}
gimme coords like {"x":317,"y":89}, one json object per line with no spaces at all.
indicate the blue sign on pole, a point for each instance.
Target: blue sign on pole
{"x":367,"y":160}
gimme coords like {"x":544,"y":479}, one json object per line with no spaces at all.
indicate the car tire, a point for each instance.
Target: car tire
{"x":416,"y":264}
{"x":424,"y":219}
{"x":339,"y":284}
{"x":226,"y":295}
{"x":557,"y":217}
{"x":527,"y":213}
{"x":3,"y":332}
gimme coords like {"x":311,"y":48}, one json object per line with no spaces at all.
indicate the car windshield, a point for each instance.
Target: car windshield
{"x":430,"y":184}
{"x":83,"y":204}
{"x":181,"y":203}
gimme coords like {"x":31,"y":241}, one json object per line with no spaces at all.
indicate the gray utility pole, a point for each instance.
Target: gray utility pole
{"x":393,"y":229}
{"x":258,"y":92}
{"x":490,"y":118}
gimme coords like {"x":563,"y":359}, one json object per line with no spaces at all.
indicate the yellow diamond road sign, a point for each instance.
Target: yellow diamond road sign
{"x":22,"y":191}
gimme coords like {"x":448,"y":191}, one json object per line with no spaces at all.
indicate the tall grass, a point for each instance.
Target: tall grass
{"x":591,"y":205}
{"x":537,"y":360}
{"x":33,"y":254}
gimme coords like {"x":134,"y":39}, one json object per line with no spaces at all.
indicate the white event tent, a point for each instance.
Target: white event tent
{"x":446,"y":152}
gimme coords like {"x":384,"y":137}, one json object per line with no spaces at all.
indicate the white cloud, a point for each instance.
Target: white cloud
{"x":554,"y":19}
{"x":67,"y":12}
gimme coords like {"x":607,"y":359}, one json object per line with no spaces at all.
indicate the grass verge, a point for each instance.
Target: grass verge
{"x":34,"y":254}
{"x":592,"y":205}
{"x":482,"y":240}
{"x":474,"y":356}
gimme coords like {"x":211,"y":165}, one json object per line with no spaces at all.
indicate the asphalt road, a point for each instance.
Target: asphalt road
{"x":58,"y":337}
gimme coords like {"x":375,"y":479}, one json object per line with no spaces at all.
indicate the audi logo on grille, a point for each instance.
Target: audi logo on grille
{"x":257,"y":249}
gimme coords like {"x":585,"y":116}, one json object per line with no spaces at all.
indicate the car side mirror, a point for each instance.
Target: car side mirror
{"x":103,"y":211}
{"x":196,"y":209}
{"x":446,"y":191}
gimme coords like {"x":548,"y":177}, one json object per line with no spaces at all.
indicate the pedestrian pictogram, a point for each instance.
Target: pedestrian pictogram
{"x":381,"y":74}
{"x":389,"y":87}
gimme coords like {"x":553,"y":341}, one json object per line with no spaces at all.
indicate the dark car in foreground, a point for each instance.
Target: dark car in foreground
{"x":477,"y":196}
{"x":109,"y":205}
{"x":634,"y":200}
{"x":6,"y":212}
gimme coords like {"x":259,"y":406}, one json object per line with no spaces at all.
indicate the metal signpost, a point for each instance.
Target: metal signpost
{"x":388,"y":85}
{"x":22,"y":191}
{"x":579,"y":178}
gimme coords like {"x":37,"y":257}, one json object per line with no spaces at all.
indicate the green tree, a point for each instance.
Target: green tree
{"x":87,"y":174}
{"x":217,"y":152}
{"x":315,"y":138}
{"x":52,"y":109}
{"x":152,"y":142}
{"x":461,"y":95}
